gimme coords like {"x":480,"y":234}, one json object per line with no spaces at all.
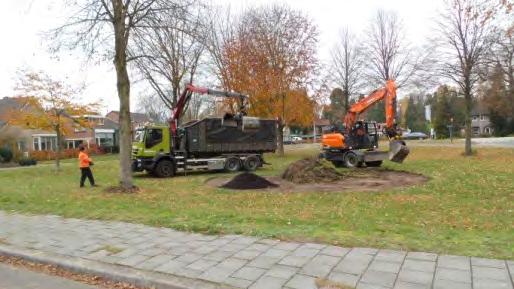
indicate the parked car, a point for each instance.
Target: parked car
{"x":297,"y":139}
{"x":415,"y":135}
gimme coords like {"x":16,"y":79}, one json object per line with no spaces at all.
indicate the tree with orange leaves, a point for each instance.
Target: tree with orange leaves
{"x":272,"y":57}
{"x":48,"y":105}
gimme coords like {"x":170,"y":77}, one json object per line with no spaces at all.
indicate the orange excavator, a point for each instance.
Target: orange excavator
{"x":356,"y":144}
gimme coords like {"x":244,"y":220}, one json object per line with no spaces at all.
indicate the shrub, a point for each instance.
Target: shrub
{"x":65,"y":153}
{"x":6,"y":154}
{"x":27,"y":161}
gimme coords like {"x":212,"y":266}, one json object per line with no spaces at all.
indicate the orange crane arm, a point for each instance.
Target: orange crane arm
{"x":389,"y":94}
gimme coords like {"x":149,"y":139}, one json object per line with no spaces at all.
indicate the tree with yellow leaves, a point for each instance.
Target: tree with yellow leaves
{"x":48,"y":104}
{"x":272,"y":57}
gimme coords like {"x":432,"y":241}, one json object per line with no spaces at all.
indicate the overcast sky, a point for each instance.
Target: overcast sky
{"x":22,"y":23}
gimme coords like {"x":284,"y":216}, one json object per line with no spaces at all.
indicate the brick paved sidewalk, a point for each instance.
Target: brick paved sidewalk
{"x":248,"y":262}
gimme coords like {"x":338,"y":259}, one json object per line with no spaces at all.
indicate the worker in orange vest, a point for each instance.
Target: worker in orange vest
{"x":84,"y":163}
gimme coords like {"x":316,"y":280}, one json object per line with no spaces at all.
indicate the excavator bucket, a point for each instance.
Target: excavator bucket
{"x":398,"y":151}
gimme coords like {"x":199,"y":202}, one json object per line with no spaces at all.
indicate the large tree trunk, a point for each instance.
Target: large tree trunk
{"x":123,"y":86}
{"x":467,"y":122}
{"x":346,"y":100}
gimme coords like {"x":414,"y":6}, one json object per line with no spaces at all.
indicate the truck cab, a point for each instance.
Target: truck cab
{"x":150,"y":144}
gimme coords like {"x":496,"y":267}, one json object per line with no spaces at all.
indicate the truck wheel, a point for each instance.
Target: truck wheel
{"x":374,"y":164}
{"x":232,"y":164}
{"x":164,"y":169}
{"x":252,"y":163}
{"x":351,"y":160}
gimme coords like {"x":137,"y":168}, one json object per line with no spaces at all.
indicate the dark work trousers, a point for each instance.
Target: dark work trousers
{"x":86,"y":173}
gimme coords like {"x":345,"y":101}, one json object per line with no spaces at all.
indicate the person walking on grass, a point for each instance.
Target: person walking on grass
{"x":85,"y":164}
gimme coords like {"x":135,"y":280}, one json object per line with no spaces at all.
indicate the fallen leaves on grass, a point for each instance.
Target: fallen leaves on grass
{"x":60,"y":272}
{"x":121,"y":190}
{"x":402,"y":199}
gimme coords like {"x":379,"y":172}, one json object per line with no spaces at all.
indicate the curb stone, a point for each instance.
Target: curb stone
{"x":111,"y":272}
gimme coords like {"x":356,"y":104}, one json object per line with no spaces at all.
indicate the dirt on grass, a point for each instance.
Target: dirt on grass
{"x":311,"y":170}
{"x":120,"y":190}
{"x":248,"y":181}
{"x":313,"y":175}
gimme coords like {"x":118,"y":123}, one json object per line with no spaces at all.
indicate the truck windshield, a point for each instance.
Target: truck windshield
{"x":139,"y":135}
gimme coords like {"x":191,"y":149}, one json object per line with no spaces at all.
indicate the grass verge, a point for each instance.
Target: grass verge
{"x":466,"y":208}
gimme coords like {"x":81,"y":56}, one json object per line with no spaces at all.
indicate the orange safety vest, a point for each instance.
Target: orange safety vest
{"x":84,"y":160}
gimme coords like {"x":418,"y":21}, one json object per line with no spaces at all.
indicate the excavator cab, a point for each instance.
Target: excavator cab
{"x":364,"y":135}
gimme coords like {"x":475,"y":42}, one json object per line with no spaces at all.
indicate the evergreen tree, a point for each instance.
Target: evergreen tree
{"x":415,"y":115}
{"x":377,"y":112}
{"x":336,"y":110}
{"x":442,"y":111}
{"x":498,"y":102}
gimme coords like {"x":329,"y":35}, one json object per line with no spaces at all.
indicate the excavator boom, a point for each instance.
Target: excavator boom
{"x":388,"y":94}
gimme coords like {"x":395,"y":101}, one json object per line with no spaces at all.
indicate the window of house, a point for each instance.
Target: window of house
{"x":45,"y":143}
{"x":79,"y":129}
{"x":21,"y":145}
{"x":475,"y":130}
{"x":48,"y":143}
{"x":104,"y":139}
{"x":483,"y":117}
{"x":73,"y":144}
{"x":475,"y":117}
{"x":487,"y":130}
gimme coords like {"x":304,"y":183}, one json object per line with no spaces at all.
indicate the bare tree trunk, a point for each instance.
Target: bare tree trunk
{"x":58,"y":148}
{"x":467,"y":123}
{"x":346,"y":100}
{"x":281,"y":127}
{"x":280,"y":135}
{"x":125,"y":127}
{"x":123,"y":86}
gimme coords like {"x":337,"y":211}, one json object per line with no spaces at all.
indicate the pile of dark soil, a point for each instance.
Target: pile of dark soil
{"x":311,"y":170}
{"x":248,"y":181}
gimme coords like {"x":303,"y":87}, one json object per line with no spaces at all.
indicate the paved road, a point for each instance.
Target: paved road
{"x":499,"y":142}
{"x":507,"y":142}
{"x":18,"y":278}
{"x":249,"y":262}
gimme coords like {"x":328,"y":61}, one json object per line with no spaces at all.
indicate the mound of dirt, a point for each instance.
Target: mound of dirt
{"x":359,"y":180}
{"x":248,"y":181}
{"x":311,"y":170}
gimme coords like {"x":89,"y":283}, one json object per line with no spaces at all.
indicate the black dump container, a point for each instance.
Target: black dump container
{"x":215,"y":136}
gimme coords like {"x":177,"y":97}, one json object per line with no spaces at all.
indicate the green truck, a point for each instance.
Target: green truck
{"x":232,"y":143}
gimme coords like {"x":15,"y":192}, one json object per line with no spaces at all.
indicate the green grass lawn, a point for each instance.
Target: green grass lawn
{"x":467,"y":207}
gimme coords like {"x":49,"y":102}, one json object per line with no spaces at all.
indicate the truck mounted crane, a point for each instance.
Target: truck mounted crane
{"x":357,"y":143}
{"x":231,"y":143}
